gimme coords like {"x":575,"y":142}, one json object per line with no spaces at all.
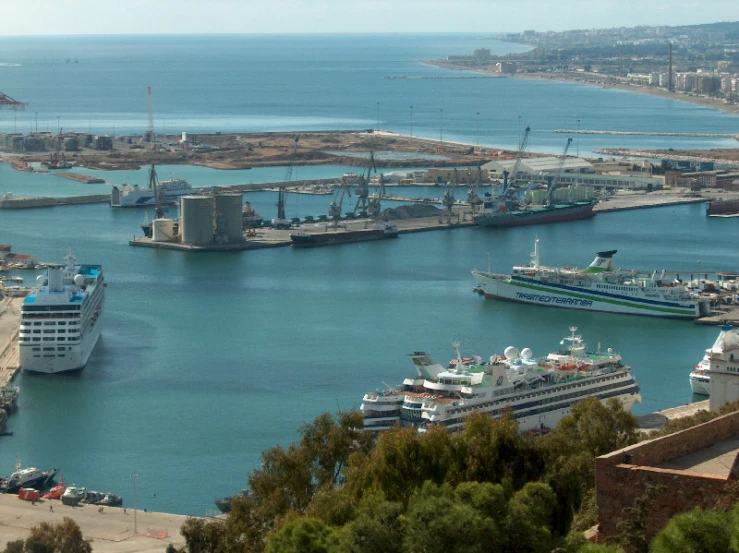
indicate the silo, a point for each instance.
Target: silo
{"x":197,"y":220}
{"x":228,"y":208}
{"x":162,"y":230}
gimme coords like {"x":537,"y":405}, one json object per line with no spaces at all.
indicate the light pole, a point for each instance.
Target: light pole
{"x":58,"y":124}
{"x":37,"y":121}
{"x":477,"y":129}
{"x":441,"y":126}
{"x":135,"y":527}
{"x":411,"y":123}
{"x":578,"y":138}
{"x":378,"y":116}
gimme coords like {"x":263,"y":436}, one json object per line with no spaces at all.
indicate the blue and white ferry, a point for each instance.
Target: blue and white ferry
{"x":61,"y":320}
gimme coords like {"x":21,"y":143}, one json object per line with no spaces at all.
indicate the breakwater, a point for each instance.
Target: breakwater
{"x":648,"y":133}
{"x":47,"y":201}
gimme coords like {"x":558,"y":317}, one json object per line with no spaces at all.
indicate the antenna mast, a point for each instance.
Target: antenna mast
{"x":150,"y":132}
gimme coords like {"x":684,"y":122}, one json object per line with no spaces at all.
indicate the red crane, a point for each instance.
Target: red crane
{"x":7,"y":101}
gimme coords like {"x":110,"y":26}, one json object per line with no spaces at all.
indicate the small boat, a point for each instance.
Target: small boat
{"x":73,"y":495}
{"x":111,"y":500}
{"x":56,"y":492}
{"x":93,"y":498}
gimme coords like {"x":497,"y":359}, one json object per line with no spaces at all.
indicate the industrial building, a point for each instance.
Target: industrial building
{"x":574,"y":171}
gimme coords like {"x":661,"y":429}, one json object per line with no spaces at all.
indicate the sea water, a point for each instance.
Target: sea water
{"x":208,"y":359}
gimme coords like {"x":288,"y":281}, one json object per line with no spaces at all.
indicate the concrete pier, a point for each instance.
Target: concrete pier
{"x":10,"y":315}
{"x":655,"y":421}
{"x":112,"y":530}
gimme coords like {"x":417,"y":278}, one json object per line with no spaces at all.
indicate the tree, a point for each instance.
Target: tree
{"x":633,"y":524}
{"x":301,"y":535}
{"x":528,"y":524}
{"x":494,"y":450}
{"x":376,"y":528}
{"x":438,"y":522}
{"x":65,"y":537}
{"x":201,"y":536}
{"x":698,"y":530}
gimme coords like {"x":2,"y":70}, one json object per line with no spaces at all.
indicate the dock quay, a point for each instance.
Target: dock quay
{"x":81,"y":178}
{"x":10,"y":202}
{"x":276,"y":238}
{"x":648,"y":133}
{"x":111,"y":530}
{"x":10,"y":316}
{"x":655,"y":421}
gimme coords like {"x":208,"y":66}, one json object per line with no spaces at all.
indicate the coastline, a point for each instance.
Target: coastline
{"x":597,"y":80}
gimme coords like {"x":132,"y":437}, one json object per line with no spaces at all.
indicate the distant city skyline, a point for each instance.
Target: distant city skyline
{"x":71,"y":17}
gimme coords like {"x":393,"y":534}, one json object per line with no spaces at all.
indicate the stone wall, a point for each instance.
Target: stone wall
{"x":622,"y":476}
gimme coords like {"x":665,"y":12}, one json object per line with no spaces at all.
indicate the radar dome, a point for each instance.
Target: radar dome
{"x":511,"y":352}
{"x":79,"y":280}
{"x":40,"y":280}
{"x":526,"y":353}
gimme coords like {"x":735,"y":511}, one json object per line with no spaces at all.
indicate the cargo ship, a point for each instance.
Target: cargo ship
{"x":502,"y":216}
{"x":722,"y":207}
{"x":343,"y":236}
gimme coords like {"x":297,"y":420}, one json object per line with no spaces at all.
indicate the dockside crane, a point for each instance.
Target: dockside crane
{"x":6,"y":102}
{"x":363,"y":186}
{"x":473,"y":194}
{"x":334,"y":208}
{"x":375,"y":208}
{"x":513,"y":180}
{"x":558,"y":174}
{"x":281,"y":220}
{"x":448,"y":200}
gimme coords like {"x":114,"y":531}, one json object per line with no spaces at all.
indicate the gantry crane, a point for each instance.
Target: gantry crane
{"x":374,"y":208}
{"x":334,"y":208}
{"x":473,"y":194}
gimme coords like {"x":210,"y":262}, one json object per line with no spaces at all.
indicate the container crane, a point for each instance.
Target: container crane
{"x":281,"y":220}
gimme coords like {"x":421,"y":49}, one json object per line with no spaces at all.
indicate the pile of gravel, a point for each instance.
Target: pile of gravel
{"x":411,"y":211}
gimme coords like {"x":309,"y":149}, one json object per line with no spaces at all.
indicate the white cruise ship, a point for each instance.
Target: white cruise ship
{"x":61,"y":320}
{"x":538,"y":391}
{"x":700,"y":377}
{"x":600,"y":287}
{"x":131,"y":195}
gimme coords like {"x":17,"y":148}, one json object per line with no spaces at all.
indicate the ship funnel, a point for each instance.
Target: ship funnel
{"x":427,"y":368}
{"x":602,"y":262}
{"x":56,"y":279}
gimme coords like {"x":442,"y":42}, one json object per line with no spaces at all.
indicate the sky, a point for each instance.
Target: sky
{"x":70,"y":17}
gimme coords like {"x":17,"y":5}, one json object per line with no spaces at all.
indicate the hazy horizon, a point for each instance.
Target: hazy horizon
{"x":186,"y":17}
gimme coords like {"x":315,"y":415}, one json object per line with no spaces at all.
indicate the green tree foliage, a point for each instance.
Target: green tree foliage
{"x":530,"y":519}
{"x":438,"y":522}
{"x":401,"y":461}
{"x":377,"y":527}
{"x":696,"y":531}
{"x":14,"y":547}
{"x":494,"y":450}
{"x":301,"y":535}
{"x":600,"y":548}
{"x":64,"y":537}
{"x":202,"y":536}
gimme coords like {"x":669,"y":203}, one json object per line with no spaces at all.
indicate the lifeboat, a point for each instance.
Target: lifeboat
{"x":567,"y":367}
{"x":55,"y":492}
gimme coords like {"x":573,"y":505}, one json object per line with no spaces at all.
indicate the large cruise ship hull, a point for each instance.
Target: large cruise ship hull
{"x":520,"y":290}
{"x":75,"y":359}
{"x":553,"y":214}
{"x":722,"y":207}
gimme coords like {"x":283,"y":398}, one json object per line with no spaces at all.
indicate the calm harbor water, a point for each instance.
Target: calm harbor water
{"x":208,"y":359}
